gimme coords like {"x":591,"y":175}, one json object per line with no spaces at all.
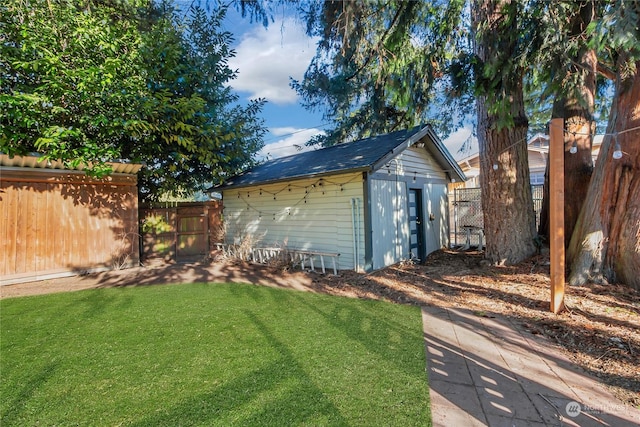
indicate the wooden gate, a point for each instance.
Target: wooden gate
{"x":180,"y":232}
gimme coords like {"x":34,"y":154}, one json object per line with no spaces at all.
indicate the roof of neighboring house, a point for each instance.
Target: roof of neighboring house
{"x":538,"y":144}
{"x":364,"y":155}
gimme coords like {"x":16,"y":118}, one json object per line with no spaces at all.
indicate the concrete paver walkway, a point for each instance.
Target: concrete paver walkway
{"x":487,"y":372}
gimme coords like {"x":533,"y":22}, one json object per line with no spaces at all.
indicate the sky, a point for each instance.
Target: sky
{"x":266,"y":60}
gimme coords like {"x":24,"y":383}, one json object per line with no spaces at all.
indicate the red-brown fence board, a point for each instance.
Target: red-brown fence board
{"x":60,"y":222}
{"x":189,"y":230}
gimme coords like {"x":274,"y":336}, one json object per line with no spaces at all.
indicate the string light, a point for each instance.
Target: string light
{"x":574,"y":147}
{"x":321,"y":183}
{"x":617,"y":152}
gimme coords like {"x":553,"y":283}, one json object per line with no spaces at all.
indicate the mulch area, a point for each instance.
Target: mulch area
{"x":599,"y":330}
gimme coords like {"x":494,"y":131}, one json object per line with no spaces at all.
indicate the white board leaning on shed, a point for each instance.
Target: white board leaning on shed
{"x":375,"y":201}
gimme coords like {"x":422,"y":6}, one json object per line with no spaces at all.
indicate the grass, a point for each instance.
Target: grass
{"x":210,"y":354}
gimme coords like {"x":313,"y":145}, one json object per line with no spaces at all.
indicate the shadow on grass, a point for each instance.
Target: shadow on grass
{"x":15,"y":403}
{"x":279,"y":394}
{"x":359,"y":325}
{"x":202,"y":273}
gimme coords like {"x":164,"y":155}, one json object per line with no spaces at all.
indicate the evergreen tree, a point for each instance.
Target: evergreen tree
{"x":380,"y":65}
{"x":507,"y":205}
{"x":604,"y":246}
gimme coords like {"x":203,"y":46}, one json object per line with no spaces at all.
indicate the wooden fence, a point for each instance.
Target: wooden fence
{"x":58,"y":222}
{"x":181,"y":231}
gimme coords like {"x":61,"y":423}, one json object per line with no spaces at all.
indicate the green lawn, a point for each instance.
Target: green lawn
{"x":210,"y":354}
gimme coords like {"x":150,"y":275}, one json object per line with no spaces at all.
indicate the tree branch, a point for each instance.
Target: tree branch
{"x":380,"y":42}
{"x":606,"y":71}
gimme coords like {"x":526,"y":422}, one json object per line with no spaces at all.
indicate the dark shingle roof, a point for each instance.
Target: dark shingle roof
{"x":363,"y":155}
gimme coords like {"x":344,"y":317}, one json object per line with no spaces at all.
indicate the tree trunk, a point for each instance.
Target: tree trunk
{"x":606,"y":242}
{"x":577,"y":112}
{"x":578,"y":166}
{"x":509,"y":218}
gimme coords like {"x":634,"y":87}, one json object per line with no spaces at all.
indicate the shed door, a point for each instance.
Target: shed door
{"x":416,"y":229}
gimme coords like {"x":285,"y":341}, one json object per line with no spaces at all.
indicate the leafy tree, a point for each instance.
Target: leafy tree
{"x":89,"y":82}
{"x":195,"y":132}
{"x":70,"y":77}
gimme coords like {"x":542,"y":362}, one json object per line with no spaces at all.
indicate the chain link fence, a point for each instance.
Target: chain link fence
{"x":465,"y":213}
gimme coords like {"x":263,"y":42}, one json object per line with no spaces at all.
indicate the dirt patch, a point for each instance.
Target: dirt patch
{"x":600,"y":330}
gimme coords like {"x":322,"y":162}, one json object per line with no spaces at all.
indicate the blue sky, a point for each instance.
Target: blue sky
{"x":266,"y":59}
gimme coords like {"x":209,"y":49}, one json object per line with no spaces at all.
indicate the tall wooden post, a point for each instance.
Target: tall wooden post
{"x":556,"y":213}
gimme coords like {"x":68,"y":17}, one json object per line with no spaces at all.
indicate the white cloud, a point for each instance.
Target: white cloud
{"x":293,"y":142}
{"x":267,"y":57}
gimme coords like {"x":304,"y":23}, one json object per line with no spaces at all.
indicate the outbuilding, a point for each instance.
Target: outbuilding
{"x":57,"y":221}
{"x":375,"y":201}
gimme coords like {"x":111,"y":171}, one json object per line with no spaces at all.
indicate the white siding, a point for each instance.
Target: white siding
{"x":311,"y":214}
{"x":389,"y":216}
{"x":389,"y":222}
{"x":417,"y":162}
{"x":436,"y":203}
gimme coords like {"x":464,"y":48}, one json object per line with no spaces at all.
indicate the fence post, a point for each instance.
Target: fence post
{"x":455,"y":217}
{"x":556,"y":213}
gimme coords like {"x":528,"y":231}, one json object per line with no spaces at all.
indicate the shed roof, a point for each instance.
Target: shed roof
{"x":364,"y":155}
{"x":36,"y":162}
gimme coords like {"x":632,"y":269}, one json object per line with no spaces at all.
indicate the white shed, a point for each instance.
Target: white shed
{"x":374,"y":201}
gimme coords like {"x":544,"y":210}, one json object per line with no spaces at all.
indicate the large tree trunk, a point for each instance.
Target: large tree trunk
{"x":577,"y":112}
{"x":509,"y":218}
{"x":578,"y":166}
{"x":606,"y":242}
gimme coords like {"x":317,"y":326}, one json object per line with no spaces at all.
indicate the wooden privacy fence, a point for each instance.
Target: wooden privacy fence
{"x":58,"y":222}
{"x":180,"y":231}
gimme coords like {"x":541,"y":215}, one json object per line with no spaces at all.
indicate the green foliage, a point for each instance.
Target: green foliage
{"x":89,"y":82}
{"x":617,"y":34}
{"x":562,"y":32}
{"x":196,"y":134}
{"x":67,"y":85}
{"x":155,"y":224}
{"x":379,"y":63}
{"x":387,"y":64}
